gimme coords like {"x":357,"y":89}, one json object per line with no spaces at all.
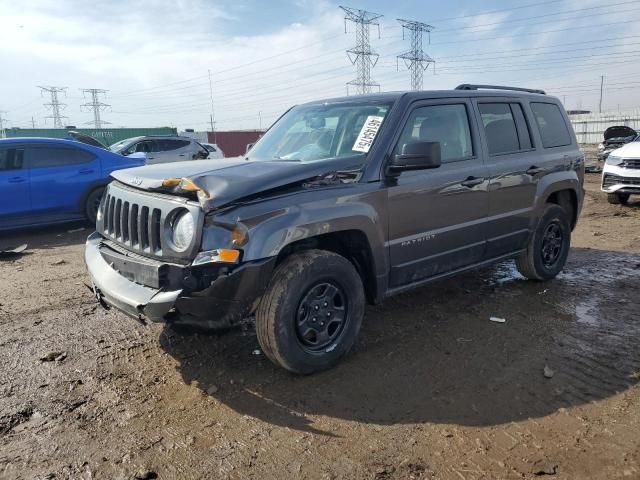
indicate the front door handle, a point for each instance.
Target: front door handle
{"x":472,"y":182}
{"x":17,"y":180}
{"x":86,"y":171}
{"x":533,"y":170}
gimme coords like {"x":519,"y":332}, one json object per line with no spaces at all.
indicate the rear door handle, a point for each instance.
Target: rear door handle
{"x":472,"y":182}
{"x":17,"y":180}
{"x":533,"y":170}
{"x":85,"y":171}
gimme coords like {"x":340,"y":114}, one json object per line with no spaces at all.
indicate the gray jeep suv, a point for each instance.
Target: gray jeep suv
{"x":342,"y":202}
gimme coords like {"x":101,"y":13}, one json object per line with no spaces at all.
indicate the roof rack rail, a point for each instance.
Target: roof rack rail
{"x":469,"y":86}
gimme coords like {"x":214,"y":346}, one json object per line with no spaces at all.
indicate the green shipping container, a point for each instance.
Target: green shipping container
{"x":106,"y":136}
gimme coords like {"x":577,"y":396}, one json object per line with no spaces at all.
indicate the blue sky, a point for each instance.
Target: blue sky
{"x":153,"y":56}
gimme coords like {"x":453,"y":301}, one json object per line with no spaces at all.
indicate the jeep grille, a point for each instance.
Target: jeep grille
{"x":141,"y":221}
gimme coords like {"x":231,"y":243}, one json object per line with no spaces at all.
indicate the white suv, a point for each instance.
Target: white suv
{"x":161,"y":149}
{"x":621,"y":173}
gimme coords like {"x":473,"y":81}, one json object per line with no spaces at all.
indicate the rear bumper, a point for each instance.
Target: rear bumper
{"x":221,"y":298}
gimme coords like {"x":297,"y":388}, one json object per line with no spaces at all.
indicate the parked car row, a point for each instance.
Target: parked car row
{"x":47,"y":180}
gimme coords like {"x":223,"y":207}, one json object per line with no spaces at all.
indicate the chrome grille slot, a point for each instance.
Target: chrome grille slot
{"x":124,"y":222}
{"x":112,"y":208}
{"x":117,"y":217}
{"x":142,"y":226}
{"x":133,"y":225}
{"x":154,"y":230}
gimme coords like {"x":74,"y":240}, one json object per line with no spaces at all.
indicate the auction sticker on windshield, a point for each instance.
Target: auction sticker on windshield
{"x":367,"y":134}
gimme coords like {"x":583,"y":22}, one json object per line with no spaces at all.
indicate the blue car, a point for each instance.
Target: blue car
{"x":48,"y":180}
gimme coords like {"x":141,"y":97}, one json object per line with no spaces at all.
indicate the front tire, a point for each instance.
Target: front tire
{"x":92,"y":204}
{"x":311,"y":313}
{"x":548,"y":248}
{"x":617,"y":198}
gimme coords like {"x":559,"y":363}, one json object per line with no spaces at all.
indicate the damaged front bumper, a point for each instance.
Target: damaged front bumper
{"x":138,"y":301}
{"x":208,"y":296}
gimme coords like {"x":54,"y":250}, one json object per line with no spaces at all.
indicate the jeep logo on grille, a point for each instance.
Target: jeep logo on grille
{"x":137,"y":181}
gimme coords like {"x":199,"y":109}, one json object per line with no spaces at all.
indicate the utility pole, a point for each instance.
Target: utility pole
{"x":2,"y":120}
{"x":415,"y":59}
{"x":33,"y":122}
{"x":362,"y":56}
{"x":212,"y":114}
{"x":260,"y":120}
{"x":95,"y":105}
{"x":601,"y":91}
{"x":54,"y":105}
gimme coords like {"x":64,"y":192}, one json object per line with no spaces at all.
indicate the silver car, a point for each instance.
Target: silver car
{"x":161,"y":149}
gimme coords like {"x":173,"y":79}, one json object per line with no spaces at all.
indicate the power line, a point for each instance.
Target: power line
{"x":546,"y":15}
{"x":490,"y":12}
{"x":362,"y":55}
{"x":95,"y":105}
{"x":55,"y":105}
{"x":416,"y":60}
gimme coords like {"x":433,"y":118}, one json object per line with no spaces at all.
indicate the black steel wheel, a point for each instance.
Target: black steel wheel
{"x":311,"y":312}
{"x":321,"y":316}
{"x":552,"y":242}
{"x":548,"y":247}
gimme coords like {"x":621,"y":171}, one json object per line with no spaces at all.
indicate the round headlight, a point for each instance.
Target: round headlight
{"x":183,"y":231}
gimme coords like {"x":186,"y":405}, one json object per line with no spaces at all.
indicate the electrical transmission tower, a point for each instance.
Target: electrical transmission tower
{"x":55,"y":105}
{"x":415,"y":59}
{"x":362,"y":55}
{"x":95,"y":105}
{"x":2,"y":120}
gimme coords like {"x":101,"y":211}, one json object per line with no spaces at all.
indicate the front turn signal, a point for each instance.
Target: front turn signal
{"x":222,"y":255}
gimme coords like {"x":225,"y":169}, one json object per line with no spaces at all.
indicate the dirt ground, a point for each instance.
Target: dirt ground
{"x":433,"y":389}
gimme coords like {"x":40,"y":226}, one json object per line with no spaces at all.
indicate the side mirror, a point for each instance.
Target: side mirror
{"x":416,"y":156}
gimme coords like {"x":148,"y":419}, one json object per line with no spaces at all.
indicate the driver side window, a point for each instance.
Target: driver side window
{"x":444,"y":124}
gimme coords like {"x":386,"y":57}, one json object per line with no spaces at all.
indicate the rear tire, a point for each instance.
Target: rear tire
{"x":311,"y":313}
{"x":548,"y":247}
{"x":618,"y":198}
{"x":92,"y":204}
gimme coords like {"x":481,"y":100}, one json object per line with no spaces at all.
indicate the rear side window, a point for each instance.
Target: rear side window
{"x":553,"y":129}
{"x":168,"y":145}
{"x":445,"y":124}
{"x":11,"y":158}
{"x":53,"y":156}
{"x":499,"y":127}
{"x":505,"y":127}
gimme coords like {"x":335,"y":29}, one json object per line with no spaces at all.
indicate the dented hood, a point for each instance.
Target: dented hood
{"x":221,"y":182}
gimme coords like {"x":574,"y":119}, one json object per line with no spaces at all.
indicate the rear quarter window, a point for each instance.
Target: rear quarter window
{"x":551,"y":124}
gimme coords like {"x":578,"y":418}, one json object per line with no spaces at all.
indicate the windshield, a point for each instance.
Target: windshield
{"x":322,"y":132}
{"x":116,"y":147}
